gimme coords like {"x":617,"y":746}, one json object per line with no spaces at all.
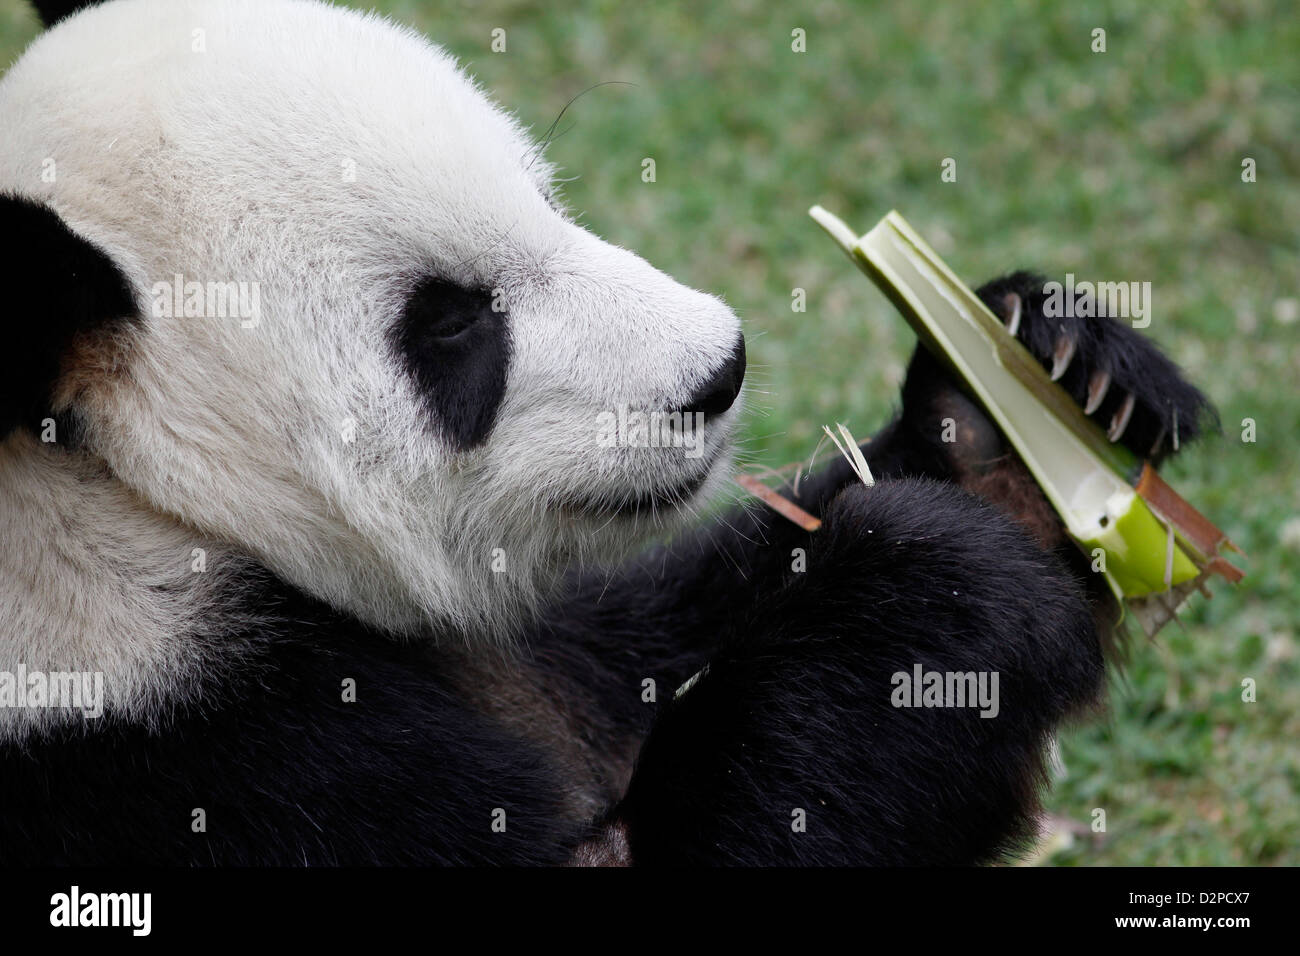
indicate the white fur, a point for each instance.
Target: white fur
{"x":229,"y":165}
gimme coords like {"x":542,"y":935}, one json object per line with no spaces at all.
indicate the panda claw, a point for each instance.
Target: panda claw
{"x":1121,"y":418}
{"x":1155,"y":445}
{"x":1065,"y":346}
{"x":1012,"y":303}
{"x":1098,"y":385}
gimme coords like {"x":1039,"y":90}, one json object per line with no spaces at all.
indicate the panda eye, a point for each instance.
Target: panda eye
{"x":439,"y":310}
{"x":456,"y":348}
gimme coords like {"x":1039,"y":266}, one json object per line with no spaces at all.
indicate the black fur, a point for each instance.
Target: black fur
{"x":58,"y":286}
{"x":52,"y":11}
{"x":456,"y":347}
{"x":792,"y":712}
{"x":286,"y":771}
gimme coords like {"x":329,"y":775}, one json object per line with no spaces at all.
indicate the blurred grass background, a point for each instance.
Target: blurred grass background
{"x":1123,"y":165}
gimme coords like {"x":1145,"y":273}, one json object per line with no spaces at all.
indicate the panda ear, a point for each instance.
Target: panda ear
{"x":52,"y":11}
{"x":58,"y":286}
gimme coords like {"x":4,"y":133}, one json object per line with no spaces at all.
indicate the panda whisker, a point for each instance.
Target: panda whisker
{"x":548,"y":137}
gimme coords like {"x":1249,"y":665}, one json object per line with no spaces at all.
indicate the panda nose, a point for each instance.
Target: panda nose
{"x":718,"y":392}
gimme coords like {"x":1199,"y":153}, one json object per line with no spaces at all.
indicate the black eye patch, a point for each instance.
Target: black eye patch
{"x":456,"y":348}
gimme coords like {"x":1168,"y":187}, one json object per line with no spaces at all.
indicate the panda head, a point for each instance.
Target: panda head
{"x":302,"y":287}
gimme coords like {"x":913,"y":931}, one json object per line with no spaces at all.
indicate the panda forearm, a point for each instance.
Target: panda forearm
{"x":794,"y":737}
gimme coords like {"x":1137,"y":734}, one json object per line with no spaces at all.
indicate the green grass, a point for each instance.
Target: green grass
{"x":1122,"y":165}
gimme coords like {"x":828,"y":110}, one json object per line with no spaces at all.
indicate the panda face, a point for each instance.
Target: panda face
{"x":371,"y":350}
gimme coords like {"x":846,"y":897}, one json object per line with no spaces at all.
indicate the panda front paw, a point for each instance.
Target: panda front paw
{"x":1120,"y":378}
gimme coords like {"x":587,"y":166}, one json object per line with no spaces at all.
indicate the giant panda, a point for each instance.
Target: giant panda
{"x":360,"y":582}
